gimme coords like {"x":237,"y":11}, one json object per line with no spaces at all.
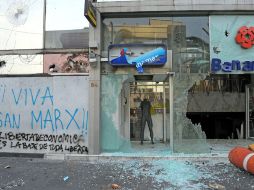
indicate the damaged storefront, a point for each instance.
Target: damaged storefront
{"x":166,"y":87}
{"x":194,"y":105}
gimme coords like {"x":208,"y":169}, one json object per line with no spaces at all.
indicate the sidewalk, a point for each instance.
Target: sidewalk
{"x":134,"y":174}
{"x":146,"y":167}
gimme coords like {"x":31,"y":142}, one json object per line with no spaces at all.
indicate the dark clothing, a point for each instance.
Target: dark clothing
{"x":146,"y":117}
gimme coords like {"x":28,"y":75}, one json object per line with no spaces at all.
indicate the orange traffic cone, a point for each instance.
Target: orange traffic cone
{"x":242,"y":158}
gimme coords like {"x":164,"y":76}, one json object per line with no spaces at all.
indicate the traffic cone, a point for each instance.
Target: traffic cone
{"x":242,"y":158}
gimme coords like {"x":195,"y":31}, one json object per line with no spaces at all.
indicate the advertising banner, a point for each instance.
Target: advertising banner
{"x":138,"y":55}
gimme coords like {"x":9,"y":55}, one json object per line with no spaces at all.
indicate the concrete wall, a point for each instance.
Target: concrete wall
{"x":216,"y":102}
{"x":44,"y":114}
{"x":141,"y":6}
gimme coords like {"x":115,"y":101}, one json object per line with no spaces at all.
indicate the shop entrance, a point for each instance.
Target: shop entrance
{"x":157,"y":93}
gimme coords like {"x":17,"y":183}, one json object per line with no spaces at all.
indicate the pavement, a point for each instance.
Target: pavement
{"x":129,"y":173}
{"x":146,"y":167}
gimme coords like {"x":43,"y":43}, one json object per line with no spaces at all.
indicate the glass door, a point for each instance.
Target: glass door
{"x":157,"y":94}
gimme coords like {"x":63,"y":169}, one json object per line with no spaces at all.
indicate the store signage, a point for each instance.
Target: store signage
{"x":232,"y":66}
{"x":90,"y":13}
{"x":138,"y":55}
{"x":245,"y":37}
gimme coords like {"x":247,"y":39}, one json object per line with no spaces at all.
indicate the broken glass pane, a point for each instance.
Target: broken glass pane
{"x":188,"y":137}
{"x":21,"y":24}
{"x":21,"y":64}
{"x":112,"y":134}
{"x":191,"y":64}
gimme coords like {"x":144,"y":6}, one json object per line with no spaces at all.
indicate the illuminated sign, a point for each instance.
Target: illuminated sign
{"x":138,"y":55}
{"x":232,"y":66}
{"x":90,"y":13}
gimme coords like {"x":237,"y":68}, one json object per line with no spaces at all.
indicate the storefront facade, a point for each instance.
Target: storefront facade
{"x":190,"y":102}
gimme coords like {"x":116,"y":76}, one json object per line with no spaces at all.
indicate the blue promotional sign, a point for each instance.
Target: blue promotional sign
{"x":137,"y":55}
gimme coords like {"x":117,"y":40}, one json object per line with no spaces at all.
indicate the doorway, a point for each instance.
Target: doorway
{"x":157,"y":93}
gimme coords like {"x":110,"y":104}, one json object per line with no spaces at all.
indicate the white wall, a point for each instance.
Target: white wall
{"x":44,"y":114}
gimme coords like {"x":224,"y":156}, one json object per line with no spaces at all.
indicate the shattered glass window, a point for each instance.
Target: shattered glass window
{"x":190,"y":40}
{"x":21,"y":64}
{"x":21,"y":24}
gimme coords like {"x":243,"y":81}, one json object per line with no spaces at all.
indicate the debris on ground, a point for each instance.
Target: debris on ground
{"x":115,"y":186}
{"x":66,"y":178}
{"x":13,"y":183}
{"x":216,"y":186}
{"x":6,"y":167}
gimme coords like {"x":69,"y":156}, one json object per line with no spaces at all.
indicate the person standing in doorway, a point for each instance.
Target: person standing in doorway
{"x":146,"y":118}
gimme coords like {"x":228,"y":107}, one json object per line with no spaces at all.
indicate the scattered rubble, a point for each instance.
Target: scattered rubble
{"x":6,"y":167}
{"x":66,"y":178}
{"x":115,"y":186}
{"x":216,"y":186}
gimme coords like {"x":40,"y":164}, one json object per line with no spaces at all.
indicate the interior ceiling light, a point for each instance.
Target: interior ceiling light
{"x":17,"y":13}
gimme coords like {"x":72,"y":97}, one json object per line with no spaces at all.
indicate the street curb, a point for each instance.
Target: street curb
{"x":78,"y":157}
{"x":21,"y":155}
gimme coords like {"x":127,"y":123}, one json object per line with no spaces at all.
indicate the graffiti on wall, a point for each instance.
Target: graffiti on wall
{"x":42,"y":142}
{"x":36,"y":119}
